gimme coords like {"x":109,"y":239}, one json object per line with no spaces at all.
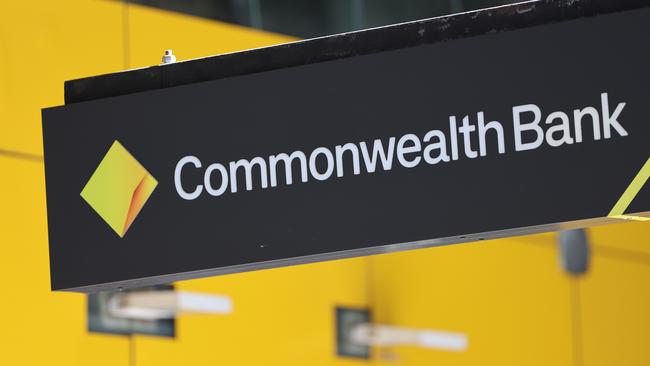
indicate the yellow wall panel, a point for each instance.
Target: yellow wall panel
{"x":152,"y":31}
{"x":509,"y":296}
{"x":39,"y":327}
{"x":615,"y":298}
{"x":629,"y":237}
{"x":42,"y":44}
{"x":282,"y":316}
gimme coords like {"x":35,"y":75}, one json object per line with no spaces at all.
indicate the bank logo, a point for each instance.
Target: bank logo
{"x":119,"y":188}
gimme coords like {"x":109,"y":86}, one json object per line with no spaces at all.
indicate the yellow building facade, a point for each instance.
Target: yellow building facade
{"x":510,"y":296}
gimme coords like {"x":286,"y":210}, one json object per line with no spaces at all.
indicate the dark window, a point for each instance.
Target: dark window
{"x":313,"y":18}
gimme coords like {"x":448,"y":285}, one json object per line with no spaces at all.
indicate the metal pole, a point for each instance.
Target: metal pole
{"x":255,"y":13}
{"x":357,"y":12}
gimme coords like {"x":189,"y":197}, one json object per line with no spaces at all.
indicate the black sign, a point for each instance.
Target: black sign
{"x":514,"y":132}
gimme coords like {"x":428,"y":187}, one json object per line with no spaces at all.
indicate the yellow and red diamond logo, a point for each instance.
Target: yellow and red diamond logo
{"x":119,"y":188}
